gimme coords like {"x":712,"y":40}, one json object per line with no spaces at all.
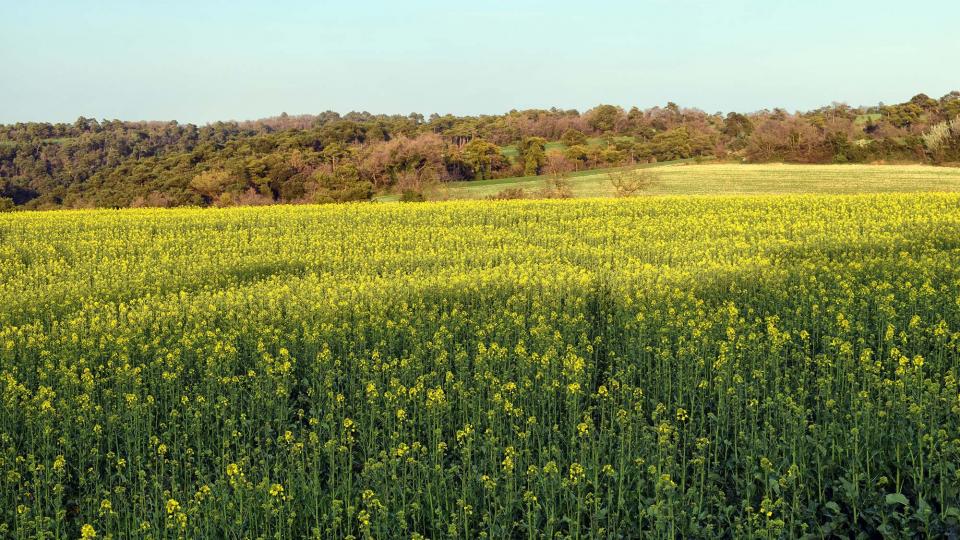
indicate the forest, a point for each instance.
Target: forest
{"x":331,"y":157}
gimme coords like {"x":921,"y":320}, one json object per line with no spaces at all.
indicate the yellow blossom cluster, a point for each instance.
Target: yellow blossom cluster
{"x":748,"y":367}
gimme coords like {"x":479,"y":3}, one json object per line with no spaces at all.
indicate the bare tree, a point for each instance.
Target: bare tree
{"x":628,"y":183}
{"x":558,"y":165}
{"x":556,"y":184}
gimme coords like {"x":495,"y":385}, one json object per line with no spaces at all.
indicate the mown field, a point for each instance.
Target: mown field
{"x":732,"y":367}
{"x":688,"y":178}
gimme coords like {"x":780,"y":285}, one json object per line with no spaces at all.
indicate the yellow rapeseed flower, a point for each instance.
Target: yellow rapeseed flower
{"x":577,"y":473}
{"x":172,"y":506}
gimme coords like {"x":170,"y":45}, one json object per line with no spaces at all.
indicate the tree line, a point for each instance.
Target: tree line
{"x":333,"y":158}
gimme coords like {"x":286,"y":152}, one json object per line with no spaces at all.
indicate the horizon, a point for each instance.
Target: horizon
{"x":581,"y":111}
{"x":242,"y":61}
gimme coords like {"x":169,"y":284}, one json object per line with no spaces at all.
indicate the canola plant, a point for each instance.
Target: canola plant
{"x":679,"y":367}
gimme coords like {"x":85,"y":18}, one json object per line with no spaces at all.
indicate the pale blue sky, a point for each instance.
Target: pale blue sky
{"x":200,"y":61}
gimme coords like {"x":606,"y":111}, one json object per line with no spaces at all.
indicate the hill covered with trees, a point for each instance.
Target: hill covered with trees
{"x":333,"y":158}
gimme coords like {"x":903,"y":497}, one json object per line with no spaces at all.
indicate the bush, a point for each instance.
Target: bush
{"x":509,"y":193}
{"x":555,"y":188}
{"x":628,"y":183}
{"x":341,"y":185}
{"x":411,"y":195}
{"x":573,"y":137}
{"x":942,"y":141}
{"x":154,"y":199}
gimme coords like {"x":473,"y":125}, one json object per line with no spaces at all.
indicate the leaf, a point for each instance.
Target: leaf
{"x":774,"y":486}
{"x":833,"y":507}
{"x":897,"y":498}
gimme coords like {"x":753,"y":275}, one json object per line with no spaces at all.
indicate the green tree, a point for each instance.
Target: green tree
{"x":604,"y":117}
{"x":950,"y":105}
{"x":737,"y":126}
{"x":483,"y":157}
{"x":904,"y":115}
{"x":578,"y":154}
{"x":670,"y":145}
{"x":573,"y":137}
{"x":532,"y":152}
{"x":335,"y":153}
{"x":342,"y":184}
{"x":210,"y":184}
{"x":612,"y":156}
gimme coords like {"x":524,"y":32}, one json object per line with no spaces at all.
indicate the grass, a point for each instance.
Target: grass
{"x":510,"y":151}
{"x":53,"y":140}
{"x":478,"y":189}
{"x":733,"y":179}
{"x":688,"y":178}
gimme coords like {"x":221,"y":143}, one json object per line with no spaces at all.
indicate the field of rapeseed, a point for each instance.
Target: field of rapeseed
{"x":753,"y":367}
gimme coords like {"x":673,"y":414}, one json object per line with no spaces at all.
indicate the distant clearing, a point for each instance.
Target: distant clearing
{"x":687,"y":178}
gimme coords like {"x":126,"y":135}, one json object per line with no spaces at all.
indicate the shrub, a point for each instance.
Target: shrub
{"x":628,"y":183}
{"x":411,"y":195}
{"x":509,"y":193}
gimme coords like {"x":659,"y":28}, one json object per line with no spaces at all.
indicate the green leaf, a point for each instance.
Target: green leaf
{"x":897,"y":498}
{"x":833,"y":507}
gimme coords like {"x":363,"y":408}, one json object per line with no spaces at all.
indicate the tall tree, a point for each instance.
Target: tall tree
{"x":532,"y":154}
{"x":483,"y":157}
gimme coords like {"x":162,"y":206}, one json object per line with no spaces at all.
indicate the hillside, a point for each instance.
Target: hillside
{"x":358,"y":156}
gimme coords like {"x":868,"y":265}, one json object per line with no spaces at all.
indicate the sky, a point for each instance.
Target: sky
{"x":205,"y":60}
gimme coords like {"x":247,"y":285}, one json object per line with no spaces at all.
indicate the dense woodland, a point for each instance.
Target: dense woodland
{"x":333,"y":158}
